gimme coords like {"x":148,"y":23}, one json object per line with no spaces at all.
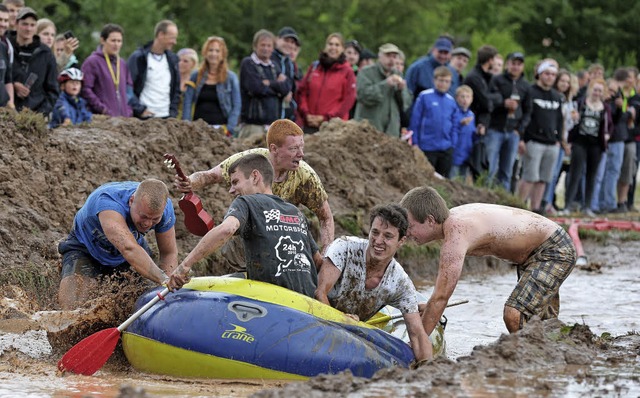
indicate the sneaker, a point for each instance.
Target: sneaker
{"x":633,"y":209}
{"x":589,"y":213}
{"x":622,"y":208}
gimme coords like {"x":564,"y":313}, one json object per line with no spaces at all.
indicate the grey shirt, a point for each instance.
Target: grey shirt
{"x":277,"y":244}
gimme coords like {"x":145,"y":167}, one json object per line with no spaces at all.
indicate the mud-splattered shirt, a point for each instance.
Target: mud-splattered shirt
{"x":349,"y":294}
{"x":277,"y":244}
{"x":302,"y":186}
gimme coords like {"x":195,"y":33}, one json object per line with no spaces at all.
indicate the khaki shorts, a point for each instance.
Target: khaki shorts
{"x":540,"y":277}
{"x":628,"y":168}
{"x":539,"y":161}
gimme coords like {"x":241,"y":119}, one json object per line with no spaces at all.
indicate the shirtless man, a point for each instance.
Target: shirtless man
{"x":542,"y":250}
{"x":360,"y":276}
{"x":294,"y":180}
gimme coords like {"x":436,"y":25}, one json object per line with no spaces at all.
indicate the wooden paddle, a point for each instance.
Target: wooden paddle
{"x":92,"y":352}
{"x":196,"y":219}
{"x":378,"y":319}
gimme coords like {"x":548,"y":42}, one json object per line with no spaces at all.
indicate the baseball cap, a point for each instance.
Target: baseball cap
{"x":288,"y":31}
{"x":443,"y":44}
{"x":26,"y":12}
{"x":515,"y":55}
{"x":389,"y":48}
{"x":461,"y":51}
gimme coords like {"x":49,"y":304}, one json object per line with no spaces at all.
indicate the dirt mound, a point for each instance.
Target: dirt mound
{"x":538,"y":353}
{"x":46,"y":175}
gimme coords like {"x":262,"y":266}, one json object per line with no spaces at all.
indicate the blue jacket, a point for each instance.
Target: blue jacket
{"x":137,"y":64}
{"x":67,"y":107}
{"x":228,"y":96}
{"x":435,"y":121}
{"x":420,"y":76}
{"x":466,"y":138}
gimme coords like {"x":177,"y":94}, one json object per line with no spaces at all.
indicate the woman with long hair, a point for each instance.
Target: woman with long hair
{"x":213,"y":92}
{"x":188,"y":64}
{"x":328,"y":89}
{"x":567,"y":85}
{"x":588,"y":140}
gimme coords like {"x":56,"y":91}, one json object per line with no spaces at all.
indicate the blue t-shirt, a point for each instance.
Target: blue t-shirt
{"x":112,"y":196}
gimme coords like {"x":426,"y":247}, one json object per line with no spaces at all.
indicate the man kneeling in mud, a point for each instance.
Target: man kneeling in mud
{"x":108,"y":238}
{"x":542,"y":250}
{"x":360,"y":276}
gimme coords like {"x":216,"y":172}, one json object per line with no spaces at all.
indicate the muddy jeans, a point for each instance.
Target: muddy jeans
{"x":540,"y":277}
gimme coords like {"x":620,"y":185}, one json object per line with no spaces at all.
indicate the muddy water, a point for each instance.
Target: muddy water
{"x":607,"y":301}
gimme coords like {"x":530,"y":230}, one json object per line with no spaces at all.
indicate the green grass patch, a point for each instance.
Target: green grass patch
{"x":38,"y":281}
{"x":350,"y":223}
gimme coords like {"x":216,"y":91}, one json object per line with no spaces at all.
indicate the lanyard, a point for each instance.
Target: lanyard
{"x":115,"y":77}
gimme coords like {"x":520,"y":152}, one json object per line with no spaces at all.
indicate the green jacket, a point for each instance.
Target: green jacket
{"x":378,"y":102}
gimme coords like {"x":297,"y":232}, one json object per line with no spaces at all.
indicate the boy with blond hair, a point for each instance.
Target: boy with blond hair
{"x":435,"y":122}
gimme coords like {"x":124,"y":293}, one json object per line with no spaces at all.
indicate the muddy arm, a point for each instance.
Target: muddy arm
{"x":327,"y":277}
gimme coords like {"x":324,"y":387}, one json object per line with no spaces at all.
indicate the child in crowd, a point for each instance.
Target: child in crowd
{"x":435,"y":122}
{"x":70,"y":107}
{"x":466,"y":137}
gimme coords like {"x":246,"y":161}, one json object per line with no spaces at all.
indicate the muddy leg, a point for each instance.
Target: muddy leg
{"x":74,"y":290}
{"x":513,"y":319}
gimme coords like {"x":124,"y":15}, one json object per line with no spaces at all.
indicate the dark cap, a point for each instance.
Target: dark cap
{"x":515,"y":55}
{"x":367,"y":54}
{"x":461,"y":51}
{"x":26,"y":12}
{"x":443,"y":44}
{"x":288,"y":31}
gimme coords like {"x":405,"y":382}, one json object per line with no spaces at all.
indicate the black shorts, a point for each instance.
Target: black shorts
{"x":77,"y":260}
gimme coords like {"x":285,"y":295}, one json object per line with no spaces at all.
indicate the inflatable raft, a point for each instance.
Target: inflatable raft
{"x":224,"y":327}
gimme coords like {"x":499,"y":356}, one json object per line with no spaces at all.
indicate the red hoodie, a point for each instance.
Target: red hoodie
{"x":330,"y":93}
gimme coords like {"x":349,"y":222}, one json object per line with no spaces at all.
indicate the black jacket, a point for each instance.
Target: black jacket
{"x":484,"y":101}
{"x":35,"y":58}
{"x":504,"y":85}
{"x":137,"y":64}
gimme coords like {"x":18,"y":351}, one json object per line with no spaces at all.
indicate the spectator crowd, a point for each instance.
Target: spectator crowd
{"x":479,"y":121}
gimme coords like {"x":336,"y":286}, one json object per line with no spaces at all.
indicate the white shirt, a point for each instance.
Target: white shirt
{"x":349,"y":294}
{"x":156,"y":94}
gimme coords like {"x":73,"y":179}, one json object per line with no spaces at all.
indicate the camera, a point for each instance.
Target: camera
{"x":68,"y":34}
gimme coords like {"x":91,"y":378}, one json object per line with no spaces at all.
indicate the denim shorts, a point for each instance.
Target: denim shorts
{"x":77,"y":260}
{"x":540,"y":277}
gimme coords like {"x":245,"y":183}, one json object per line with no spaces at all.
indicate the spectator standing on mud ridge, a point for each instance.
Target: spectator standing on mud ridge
{"x":508,"y":120}
{"x":70,"y":107}
{"x":263,"y":85}
{"x":46,"y":31}
{"x":213,"y":92}
{"x":382,"y":93}
{"x":328,"y":89}
{"x":435,"y":122}
{"x":295,"y":181}
{"x":542,"y":250}
{"x":286,"y":43}
{"x":460,"y":58}
{"x":6,"y":75}
{"x":108,"y":238}
{"x":106,"y":75}
{"x":420,"y":73}
{"x":4,"y":28}
{"x":188,"y":63}
{"x":14,"y":7}
{"x":542,"y":137}
{"x":34,"y":66}
{"x":155,"y":75}
{"x":278,"y":245}
{"x":360,"y":276}
{"x":63,"y":49}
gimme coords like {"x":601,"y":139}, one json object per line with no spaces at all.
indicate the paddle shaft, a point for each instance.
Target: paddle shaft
{"x":142,"y":310}
{"x":388,"y":318}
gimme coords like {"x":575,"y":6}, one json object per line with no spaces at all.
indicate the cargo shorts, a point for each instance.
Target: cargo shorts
{"x":540,"y":277}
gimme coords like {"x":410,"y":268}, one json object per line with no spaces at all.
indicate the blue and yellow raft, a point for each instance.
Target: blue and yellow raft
{"x":224,"y":327}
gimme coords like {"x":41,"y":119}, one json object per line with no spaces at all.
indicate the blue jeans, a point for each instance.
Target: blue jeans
{"x":551,"y":187}
{"x":615,"y":154}
{"x":502,"y":149}
{"x":595,"y":201}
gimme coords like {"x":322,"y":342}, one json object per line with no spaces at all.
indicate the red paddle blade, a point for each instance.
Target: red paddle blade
{"x":91,"y":353}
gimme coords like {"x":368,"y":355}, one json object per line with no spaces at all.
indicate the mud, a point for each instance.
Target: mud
{"x":45,"y":176}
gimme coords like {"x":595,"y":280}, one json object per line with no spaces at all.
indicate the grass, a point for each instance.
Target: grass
{"x":36,"y":282}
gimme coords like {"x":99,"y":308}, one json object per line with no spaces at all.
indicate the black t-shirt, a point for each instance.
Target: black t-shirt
{"x":277,"y":244}
{"x":208,"y":106}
